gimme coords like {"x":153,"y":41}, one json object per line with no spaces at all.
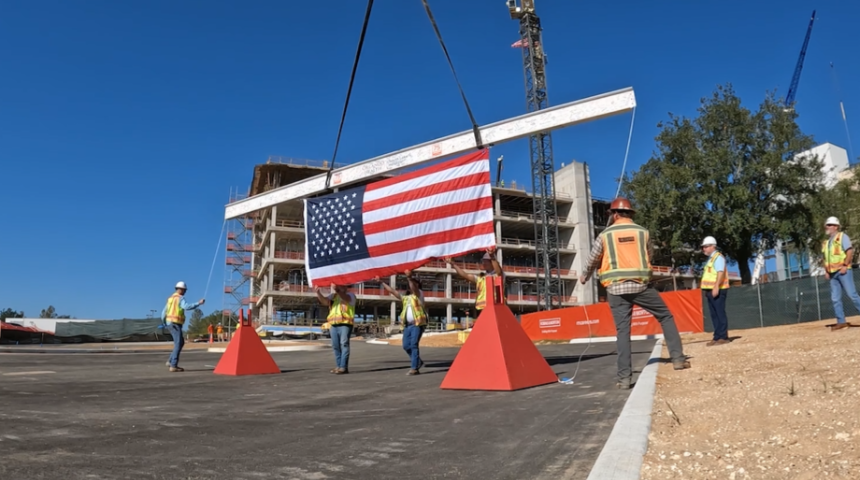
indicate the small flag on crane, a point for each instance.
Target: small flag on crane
{"x":521,"y":43}
{"x":399,"y":223}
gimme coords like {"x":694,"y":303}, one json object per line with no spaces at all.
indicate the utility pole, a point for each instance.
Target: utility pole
{"x":540,"y":150}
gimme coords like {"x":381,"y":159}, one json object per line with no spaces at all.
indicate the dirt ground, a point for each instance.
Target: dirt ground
{"x":777,"y":403}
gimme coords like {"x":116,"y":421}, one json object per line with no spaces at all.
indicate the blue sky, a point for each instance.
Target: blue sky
{"x":123,"y":125}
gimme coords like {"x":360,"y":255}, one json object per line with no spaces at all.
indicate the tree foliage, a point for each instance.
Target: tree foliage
{"x":9,"y":313}
{"x":730,"y":173}
{"x":199,"y":323}
{"x":51,"y":312}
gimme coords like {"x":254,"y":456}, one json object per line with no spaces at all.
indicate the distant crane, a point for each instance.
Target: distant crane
{"x":542,"y":165}
{"x":795,"y":79}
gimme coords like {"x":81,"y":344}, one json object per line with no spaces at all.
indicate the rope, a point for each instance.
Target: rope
{"x":214,"y":259}
{"x":475,"y":129}
{"x":569,"y":381}
{"x":349,"y":89}
{"x":626,"y":152}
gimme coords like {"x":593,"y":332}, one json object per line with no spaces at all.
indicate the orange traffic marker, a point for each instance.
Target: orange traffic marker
{"x":498,"y":355}
{"x":246,"y":354}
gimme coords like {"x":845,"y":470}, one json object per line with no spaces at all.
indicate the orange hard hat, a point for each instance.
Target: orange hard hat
{"x":621,"y":204}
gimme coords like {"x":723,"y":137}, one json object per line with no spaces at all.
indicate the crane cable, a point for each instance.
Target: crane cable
{"x":626,"y":153}
{"x":349,"y":89}
{"x":835,"y":78}
{"x":479,"y":143}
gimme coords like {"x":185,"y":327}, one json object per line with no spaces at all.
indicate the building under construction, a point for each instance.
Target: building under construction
{"x":266,"y":251}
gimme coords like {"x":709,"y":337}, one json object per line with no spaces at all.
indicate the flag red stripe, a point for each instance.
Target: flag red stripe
{"x":432,"y":239}
{"x":449,"y":186}
{"x":436,"y":213}
{"x":483,"y":154}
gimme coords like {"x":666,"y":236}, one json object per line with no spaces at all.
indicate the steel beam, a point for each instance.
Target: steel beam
{"x":553,"y":118}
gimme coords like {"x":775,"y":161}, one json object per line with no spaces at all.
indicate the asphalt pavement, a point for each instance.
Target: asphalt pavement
{"x":124,"y":416}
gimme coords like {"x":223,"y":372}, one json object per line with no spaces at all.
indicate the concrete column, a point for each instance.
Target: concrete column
{"x":270,"y":285}
{"x":271,"y":310}
{"x":272,"y":250}
{"x":498,"y":232}
{"x":393,"y":312}
{"x":449,"y":290}
{"x":450,"y":313}
{"x":497,"y":205}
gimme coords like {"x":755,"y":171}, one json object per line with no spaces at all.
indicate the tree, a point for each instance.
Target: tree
{"x":49,"y":312}
{"x":9,"y":313}
{"x":731,"y":173}
{"x":199,"y":323}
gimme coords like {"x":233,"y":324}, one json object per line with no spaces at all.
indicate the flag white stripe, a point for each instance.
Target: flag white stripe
{"x":437,"y":250}
{"x":425,"y":203}
{"x":433,"y":226}
{"x":428,"y":180}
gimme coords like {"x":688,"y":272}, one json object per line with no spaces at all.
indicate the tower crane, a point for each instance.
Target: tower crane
{"x":540,"y":149}
{"x":795,"y":79}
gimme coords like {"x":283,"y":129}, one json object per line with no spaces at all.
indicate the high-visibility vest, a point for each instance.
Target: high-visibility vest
{"x":418,"y":314}
{"x":481,"y":300}
{"x":625,"y":254}
{"x":175,"y":313}
{"x":709,"y":278}
{"x":340,"y":313}
{"x":834,"y":256}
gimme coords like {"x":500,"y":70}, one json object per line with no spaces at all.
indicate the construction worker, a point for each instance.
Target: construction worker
{"x":220,"y":333}
{"x":492,"y":268}
{"x":341,"y":317}
{"x":621,"y":252}
{"x":838,"y":252}
{"x":174,"y":316}
{"x":413,"y":317}
{"x":715,"y":285}
{"x":211,"y":330}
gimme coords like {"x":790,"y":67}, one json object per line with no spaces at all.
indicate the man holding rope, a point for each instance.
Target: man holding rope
{"x":621,"y":252}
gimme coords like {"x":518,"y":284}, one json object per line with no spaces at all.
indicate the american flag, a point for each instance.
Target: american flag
{"x":399,"y":223}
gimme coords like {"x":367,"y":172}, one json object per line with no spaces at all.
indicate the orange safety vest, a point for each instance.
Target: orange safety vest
{"x":175,"y":313}
{"x":481,"y":300}
{"x":625,"y":254}
{"x":709,"y":278}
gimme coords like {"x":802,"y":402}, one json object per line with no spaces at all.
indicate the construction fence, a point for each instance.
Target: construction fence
{"x":781,"y":303}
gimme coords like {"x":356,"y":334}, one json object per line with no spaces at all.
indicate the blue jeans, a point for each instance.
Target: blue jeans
{"x":839,"y":282}
{"x":175,"y":330}
{"x":340,"y":344}
{"x":717,"y":307}
{"x":411,"y":338}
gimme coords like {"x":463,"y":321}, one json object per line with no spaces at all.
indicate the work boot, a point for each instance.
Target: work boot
{"x":838,"y":326}
{"x":341,"y":371}
{"x":177,"y":369}
{"x":412,"y":372}
{"x":623,"y":384}
{"x":681,"y":365}
{"x":420,"y":364}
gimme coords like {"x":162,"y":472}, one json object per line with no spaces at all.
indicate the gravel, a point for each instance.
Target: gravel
{"x":777,"y":403}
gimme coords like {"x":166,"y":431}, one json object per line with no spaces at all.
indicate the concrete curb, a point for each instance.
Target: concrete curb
{"x":633,"y":338}
{"x":621,"y":457}
{"x":297,"y":348}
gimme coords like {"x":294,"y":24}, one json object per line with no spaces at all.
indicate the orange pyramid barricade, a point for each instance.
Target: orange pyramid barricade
{"x":246,"y":354}
{"x":498,"y":355}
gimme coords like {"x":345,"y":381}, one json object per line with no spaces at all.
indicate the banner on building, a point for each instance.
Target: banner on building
{"x":596,"y":320}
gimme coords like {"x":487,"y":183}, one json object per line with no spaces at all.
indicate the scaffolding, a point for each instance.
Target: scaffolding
{"x":239,"y":261}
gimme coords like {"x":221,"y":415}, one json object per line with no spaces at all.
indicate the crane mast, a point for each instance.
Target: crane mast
{"x":540,"y":150}
{"x":795,"y":79}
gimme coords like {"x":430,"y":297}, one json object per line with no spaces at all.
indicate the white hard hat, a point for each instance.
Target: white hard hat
{"x":831,"y":221}
{"x":182,"y":285}
{"x":709,"y":241}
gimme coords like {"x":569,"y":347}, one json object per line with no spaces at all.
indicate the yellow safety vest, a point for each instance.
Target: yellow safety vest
{"x":834,"y":256}
{"x":709,"y":278}
{"x":340,"y":313}
{"x":175,"y":313}
{"x":481,"y":300}
{"x":412,"y":301}
{"x":625,"y":254}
